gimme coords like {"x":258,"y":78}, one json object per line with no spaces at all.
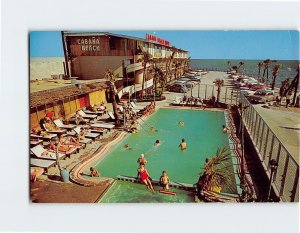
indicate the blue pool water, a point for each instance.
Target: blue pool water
{"x":202,"y":131}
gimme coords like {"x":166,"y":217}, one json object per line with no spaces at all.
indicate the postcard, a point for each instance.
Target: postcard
{"x":164,"y":116}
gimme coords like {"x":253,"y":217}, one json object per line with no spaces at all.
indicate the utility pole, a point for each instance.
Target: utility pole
{"x":66,"y":55}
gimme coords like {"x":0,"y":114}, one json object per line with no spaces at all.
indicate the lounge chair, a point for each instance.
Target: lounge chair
{"x":87,"y":116}
{"x":47,"y":137}
{"x":84,"y":121}
{"x":42,"y":163}
{"x":84,"y":141}
{"x":111,"y":115}
{"x":59,"y":131}
{"x":35,"y":142}
{"x":99,"y":113}
{"x":177,"y":101}
{"x":59,"y":124}
{"x":39,"y":150}
{"x":103,"y":125}
{"x":122,"y":109}
{"x":136,"y":107}
{"x":101,"y":131}
{"x":87,"y":134}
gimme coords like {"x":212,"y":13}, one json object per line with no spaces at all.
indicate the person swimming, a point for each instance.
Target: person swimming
{"x":181,"y":123}
{"x":183,"y":145}
{"x":127,"y":147}
{"x":94,"y":172}
{"x":225,"y":129}
{"x":157,"y":143}
{"x":152,"y":129}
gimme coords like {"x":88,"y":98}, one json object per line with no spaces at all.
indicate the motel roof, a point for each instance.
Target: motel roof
{"x":49,"y":91}
{"x":67,"y":33}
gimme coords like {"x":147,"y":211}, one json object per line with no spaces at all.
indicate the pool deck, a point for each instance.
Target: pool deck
{"x":49,"y":186}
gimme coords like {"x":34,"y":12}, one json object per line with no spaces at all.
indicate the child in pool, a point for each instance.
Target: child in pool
{"x":164,"y":180}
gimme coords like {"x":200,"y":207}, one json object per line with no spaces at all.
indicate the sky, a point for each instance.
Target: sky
{"x":252,"y":45}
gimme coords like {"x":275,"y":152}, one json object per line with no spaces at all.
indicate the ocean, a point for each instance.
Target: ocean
{"x":287,"y":70}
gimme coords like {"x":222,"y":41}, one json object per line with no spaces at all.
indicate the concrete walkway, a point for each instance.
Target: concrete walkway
{"x":286,"y":126}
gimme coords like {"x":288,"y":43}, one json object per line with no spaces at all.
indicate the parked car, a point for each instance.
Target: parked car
{"x":241,"y":82}
{"x":185,"y":81}
{"x":248,"y":92}
{"x":195,"y":78}
{"x":262,"y":96}
{"x":177,"y":87}
{"x":257,"y":86}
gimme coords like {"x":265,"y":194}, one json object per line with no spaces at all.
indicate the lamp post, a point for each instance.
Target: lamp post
{"x":273,"y":165}
{"x":56,"y":142}
{"x":199,"y":86}
{"x":64,"y":174}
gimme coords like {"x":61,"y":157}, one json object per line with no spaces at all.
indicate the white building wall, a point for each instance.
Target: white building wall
{"x":43,"y":68}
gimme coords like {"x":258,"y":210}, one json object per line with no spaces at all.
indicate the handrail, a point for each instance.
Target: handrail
{"x":269,"y":128}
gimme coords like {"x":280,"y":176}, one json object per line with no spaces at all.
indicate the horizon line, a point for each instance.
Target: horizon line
{"x":262,"y":59}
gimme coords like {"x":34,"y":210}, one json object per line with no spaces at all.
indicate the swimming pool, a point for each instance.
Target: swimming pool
{"x":137,"y":193}
{"x":202,"y":131}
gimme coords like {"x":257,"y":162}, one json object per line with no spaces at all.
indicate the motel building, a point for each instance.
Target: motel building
{"x":88,"y":56}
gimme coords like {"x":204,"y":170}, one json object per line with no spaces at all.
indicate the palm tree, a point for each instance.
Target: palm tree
{"x":216,"y":173}
{"x":274,"y":74}
{"x":240,"y":65}
{"x":260,"y":65}
{"x":285,"y":84}
{"x":147,"y":58}
{"x":219,"y":83}
{"x":296,"y":86}
{"x":266,"y":63}
{"x":171,"y":59}
{"x":157,"y":74}
{"x":235,"y":68}
{"x":229,"y":65}
{"x":109,"y":76}
{"x":187,"y":64}
{"x":177,"y":65}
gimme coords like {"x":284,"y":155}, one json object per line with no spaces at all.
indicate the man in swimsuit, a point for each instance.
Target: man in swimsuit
{"x":145,"y":177}
{"x":225,"y":129}
{"x":182,"y":145}
{"x":157,"y":143}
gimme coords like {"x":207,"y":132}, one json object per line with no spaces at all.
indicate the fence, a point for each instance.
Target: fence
{"x":228,"y":95}
{"x":286,"y":177}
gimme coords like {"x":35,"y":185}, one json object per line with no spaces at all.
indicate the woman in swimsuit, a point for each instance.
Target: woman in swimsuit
{"x":144,"y":176}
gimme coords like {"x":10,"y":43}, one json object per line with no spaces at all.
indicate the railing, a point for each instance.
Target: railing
{"x":268,"y":146}
{"x":206,"y":91}
{"x":134,"y":88}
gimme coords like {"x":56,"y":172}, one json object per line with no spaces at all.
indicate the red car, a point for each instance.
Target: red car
{"x":255,"y":87}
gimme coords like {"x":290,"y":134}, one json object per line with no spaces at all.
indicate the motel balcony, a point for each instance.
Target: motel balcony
{"x":135,"y":67}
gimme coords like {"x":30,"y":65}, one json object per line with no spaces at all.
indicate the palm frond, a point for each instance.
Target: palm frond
{"x":217,"y":172}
